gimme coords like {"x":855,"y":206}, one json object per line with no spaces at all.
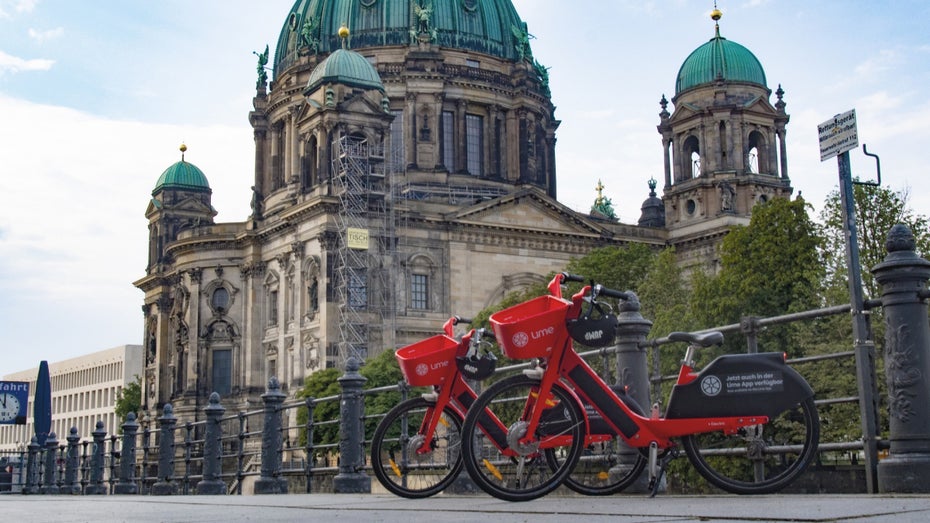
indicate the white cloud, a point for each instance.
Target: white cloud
{"x":875,"y":65}
{"x":16,"y":6}
{"x":48,"y":34}
{"x":14,"y":64}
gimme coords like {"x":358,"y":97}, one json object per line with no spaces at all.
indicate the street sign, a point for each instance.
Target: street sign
{"x":838,"y":135}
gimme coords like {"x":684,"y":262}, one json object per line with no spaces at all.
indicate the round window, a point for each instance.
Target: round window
{"x":691,"y":206}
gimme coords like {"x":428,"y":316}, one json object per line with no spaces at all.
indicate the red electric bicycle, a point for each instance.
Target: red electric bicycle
{"x":416,"y":448}
{"x":747,"y":422}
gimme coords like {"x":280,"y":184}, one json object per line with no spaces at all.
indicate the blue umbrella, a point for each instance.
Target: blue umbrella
{"x":42,"y":404}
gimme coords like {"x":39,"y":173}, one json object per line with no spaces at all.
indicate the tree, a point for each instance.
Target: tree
{"x":877,"y":209}
{"x":129,"y":400}
{"x":621,"y":268}
{"x":768,"y":268}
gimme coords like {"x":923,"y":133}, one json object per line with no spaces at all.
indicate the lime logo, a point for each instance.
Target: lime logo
{"x":520,"y":339}
{"x":422,"y":369}
{"x":711,"y":386}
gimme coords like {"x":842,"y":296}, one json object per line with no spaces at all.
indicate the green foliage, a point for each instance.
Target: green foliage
{"x":129,"y":400}
{"x":621,"y":268}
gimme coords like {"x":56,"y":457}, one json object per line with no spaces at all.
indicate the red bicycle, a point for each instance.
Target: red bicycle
{"x":747,"y":422}
{"x":416,"y":448}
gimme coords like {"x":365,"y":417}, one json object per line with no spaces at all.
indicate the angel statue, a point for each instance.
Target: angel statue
{"x":262,"y":62}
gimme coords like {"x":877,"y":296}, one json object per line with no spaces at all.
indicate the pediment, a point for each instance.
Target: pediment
{"x":186,"y":206}
{"x":528,"y":209}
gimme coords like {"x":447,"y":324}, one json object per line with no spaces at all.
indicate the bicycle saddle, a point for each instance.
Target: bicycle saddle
{"x":704,"y":340}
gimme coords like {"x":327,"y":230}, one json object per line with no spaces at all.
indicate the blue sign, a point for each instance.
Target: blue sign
{"x":14,"y":396}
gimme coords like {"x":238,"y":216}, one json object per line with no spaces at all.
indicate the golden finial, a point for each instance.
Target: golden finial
{"x":600,"y":194}
{"x":716,"y":14}
{"x":183,"y":149}
{"x":344,"y":34}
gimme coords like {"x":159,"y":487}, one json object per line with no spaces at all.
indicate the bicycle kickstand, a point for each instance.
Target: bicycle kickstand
{"x":657,"y":466}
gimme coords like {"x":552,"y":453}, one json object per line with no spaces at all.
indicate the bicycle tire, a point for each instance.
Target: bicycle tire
{"x":396,"y":464}
{"x":604,"y":468}
{"x":529,"y":474}
{"x":759,"y":459}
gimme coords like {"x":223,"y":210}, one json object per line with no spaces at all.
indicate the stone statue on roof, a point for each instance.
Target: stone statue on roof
{"x":262,"y":62}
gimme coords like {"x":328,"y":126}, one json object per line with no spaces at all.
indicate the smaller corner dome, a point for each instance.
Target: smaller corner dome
{"x":345,"y":67}
{"x":182,"y":175}
{"x":719,"y":58}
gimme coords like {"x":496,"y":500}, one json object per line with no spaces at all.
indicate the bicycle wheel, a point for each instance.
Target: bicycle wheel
{"x":758,"y":459}
{"x":495,"y":457}
{"x":604,"y":468}
{"x":397,"y":465}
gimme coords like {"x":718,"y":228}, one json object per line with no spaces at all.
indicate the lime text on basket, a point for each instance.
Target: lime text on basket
{"x":542,"y":333}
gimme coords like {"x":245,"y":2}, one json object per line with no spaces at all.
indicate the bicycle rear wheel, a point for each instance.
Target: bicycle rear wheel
{"x":758,"y":459}
{"x":499,"y":462}
{"x":397,"y":465}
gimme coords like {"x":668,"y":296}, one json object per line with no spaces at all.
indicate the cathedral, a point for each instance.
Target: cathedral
{"x":405,"y":172}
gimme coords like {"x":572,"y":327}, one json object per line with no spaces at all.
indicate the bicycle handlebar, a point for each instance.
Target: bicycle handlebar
{"x":458,"y":319}
{"x":600,"y":290}
{"x":567,"y":277}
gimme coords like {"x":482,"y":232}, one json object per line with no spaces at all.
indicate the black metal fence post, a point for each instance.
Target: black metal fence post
{"x":903,"y":276}
{"x":32,"y":467}
{"x":127,"y":458}
{"x":213,"y":449}
{"x":351,"y":478}
{"x":49,"y":484}
{"x":310,"y":403}
{"x":270,"y":481}
{"x":97,"y":461}
{"x":72,"y":464}
{"x":166,"y":486}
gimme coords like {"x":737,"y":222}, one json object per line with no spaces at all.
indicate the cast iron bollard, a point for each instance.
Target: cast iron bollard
{"x":72,"y":464}
{"x":97,"y":461}
{"x":49,"y":482}
{"x":351,"y":479}
{"x":127,"y":458}
{"x":903,"y":277}
{"x":165,"y":486}
{"x":212,"y":450}
{"x":270,"y":481}
{"x":32,"y":467}
{"x":633,"y":368}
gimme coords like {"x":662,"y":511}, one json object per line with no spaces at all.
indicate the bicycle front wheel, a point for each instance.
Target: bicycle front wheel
{"x":497,"y":453}
{"x":759,"y":459}
{"x":396,"y":458}
{"x":604,"y":468}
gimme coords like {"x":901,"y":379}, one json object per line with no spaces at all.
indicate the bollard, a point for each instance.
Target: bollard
{"x":165,"y":486}
{"x":72,"y":464}
{"x":270,"y":481}
{"x":127,"y":458}
{"x":903,"y":276}
{"x":32,"y":467}
{"x":351,"y":478}
{"x":212,"y":450}
{"x":49,"y":480}
{"x":97,"y":461}
{"x":633,"y":368}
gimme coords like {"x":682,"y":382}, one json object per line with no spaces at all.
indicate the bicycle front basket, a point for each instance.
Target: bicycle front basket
{"x":428,"y":362}
{"x":530,"y":329}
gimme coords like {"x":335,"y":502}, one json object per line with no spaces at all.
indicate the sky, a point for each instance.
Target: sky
{"x":96,"y":97}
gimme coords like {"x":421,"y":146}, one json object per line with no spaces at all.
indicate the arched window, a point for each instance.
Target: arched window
{"x":756,"y":154}
{"x":691,"y":159}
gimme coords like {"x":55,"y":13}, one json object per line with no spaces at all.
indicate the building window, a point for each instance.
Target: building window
{"x":473,"y":144}
{"x":448,"y":144}
{"x":222,"y":371}
{"x":313,"y":296}
{"x":358,"y":289}
{"x":273,"y":307}
{"x":397,"y":140}
{"x":472,"y":63}
{"x":419,"y":291}
{"x":220,"y":300}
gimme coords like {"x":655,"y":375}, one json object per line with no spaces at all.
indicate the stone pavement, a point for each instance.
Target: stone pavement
{"x":368,"y":508}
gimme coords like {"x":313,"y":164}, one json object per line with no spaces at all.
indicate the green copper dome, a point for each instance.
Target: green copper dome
{"x":719,"y":58}
{"x":182,"y":175}
{"x":345,"y":67}
{"x":486,"y":26}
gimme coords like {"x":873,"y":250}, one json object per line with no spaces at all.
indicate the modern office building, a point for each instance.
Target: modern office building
{"x":84,"y":391}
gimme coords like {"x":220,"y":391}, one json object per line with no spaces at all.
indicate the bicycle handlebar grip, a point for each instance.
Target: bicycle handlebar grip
{"x":611,"y":293}
{"x":459,"y":319}
{"x":566,"y":277}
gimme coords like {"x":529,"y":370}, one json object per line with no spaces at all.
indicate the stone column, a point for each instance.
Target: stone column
{"x":903,"y":276}
{"x":212,"y":449}
{"x":351,"y":478}
{"x":270,"y":481}
{"x":127,"y":458}
{"x":165,"y":484}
